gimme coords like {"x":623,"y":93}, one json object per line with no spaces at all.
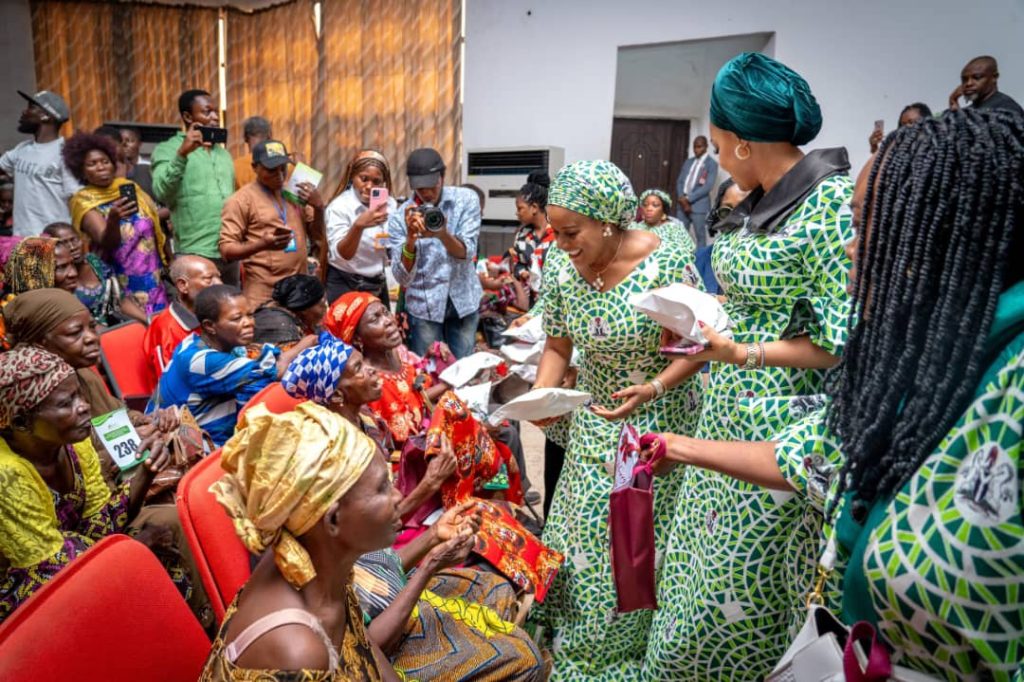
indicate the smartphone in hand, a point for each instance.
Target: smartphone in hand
{"x":213,"y":135}
{"x":127,"y":192}
{"x":880,"y":125}
{"x":378,"y":197}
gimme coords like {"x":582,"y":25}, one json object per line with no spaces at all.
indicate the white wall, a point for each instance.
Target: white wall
{"x":18,"y":72}
{"x":673,"y":80}
{"x":548,"y":78}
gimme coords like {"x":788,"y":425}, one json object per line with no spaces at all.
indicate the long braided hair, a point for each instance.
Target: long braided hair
{"x":945,"y":215}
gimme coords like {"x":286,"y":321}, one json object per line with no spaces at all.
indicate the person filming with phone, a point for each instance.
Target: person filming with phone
{"x":357,"y":228}
{"x":120,"y":221}
{"x":432,"y":239}
{"x":262,"y":225}
{"x":193,"y":175}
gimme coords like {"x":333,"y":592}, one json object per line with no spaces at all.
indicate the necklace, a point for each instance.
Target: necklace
{"x":598,"y":282}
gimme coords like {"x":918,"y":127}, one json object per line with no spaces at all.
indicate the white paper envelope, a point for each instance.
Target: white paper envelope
{"x":541,"y":403}
{"x":460,"y":372}
{"x":531,"y":332}
{"x":678,"y":308}
{"x":525,"y":372}
{"x":523,"y":353}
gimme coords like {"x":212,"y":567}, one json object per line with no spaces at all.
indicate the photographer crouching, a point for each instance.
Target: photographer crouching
{"x":433,"y":240}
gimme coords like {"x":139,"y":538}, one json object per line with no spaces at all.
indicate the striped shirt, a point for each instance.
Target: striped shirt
{"x":214,"y":384}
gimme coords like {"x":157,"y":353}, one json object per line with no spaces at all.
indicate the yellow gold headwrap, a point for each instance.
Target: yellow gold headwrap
{"x":284,"y":472}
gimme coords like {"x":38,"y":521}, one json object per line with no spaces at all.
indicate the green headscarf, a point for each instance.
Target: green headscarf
{"x":763,"y":100}
{"x":596,"y":189}
{"x":666,"y":200}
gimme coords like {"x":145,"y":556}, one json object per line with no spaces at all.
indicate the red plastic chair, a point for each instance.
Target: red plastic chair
{"x":221,"y":558}
{"x":275,"y":398}
{"x":112,"y":614}
{"x":125,"y":363}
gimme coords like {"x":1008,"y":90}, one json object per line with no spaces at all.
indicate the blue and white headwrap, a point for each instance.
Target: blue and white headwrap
{"x":315,"y":372}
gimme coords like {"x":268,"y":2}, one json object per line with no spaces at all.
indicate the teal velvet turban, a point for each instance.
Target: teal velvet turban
{"x":762,"y":100}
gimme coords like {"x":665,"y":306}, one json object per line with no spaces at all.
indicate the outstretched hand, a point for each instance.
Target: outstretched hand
{"x":632,"y":397}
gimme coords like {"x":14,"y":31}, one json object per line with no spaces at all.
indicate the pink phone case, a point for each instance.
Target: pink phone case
{"x":378,"y":197}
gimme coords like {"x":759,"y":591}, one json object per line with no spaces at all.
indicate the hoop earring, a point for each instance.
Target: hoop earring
{"x":607,"y":231}
{"x":736,"y":153}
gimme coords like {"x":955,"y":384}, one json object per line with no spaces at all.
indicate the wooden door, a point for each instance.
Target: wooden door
{"x":651,"y":151}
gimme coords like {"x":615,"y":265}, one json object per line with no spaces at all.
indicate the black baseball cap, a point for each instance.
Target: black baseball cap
{"x":270,"y":154}
{"x":424,"y":168}
{"x":51,"y":103}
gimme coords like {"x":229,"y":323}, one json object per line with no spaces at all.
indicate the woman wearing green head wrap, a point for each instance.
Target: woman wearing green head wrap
{"x":741,"y":557}
{"x":655,"y":207}
{"x":588,"y":283}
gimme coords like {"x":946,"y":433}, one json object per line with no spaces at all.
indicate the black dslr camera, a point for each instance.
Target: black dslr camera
{"x":433,"y":218}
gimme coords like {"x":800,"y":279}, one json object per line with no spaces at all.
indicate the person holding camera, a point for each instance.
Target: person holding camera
{"x":193,"y":175}
{"x":432,"y":239}
{"x":263,"y":228}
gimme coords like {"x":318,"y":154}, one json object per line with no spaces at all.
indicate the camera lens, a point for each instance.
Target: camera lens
{"x":433,"y":218}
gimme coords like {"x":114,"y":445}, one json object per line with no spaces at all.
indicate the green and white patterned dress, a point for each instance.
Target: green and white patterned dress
{"x":619,"y":348}
{"x":739,"y":556}
{"x":673,"y":232}
{"x":943,"y":570}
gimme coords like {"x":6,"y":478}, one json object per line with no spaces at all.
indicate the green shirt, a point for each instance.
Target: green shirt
{"x":194,"y":188}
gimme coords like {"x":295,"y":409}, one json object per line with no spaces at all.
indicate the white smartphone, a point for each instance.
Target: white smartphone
{"x":378,"y":197}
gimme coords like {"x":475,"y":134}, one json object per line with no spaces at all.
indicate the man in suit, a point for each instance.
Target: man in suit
{"x":693,"y":187}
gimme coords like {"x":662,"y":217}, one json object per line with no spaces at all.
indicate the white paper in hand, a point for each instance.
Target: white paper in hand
{"x":523,"y":353}
{"x":532,"y":331}
{"x":477,"y":398}
{"x":302,"y":173}
{"x":679,"y":307}
{"x":541,"y":403}
{"x":462,"y":371}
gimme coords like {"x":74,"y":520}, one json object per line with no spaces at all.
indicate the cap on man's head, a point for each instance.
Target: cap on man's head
{"x":270,"y":154}
{"x":424,"y":168}
{"x":51,"y":103}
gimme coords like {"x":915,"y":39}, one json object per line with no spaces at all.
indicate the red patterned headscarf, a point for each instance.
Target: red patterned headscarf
{"x":343,"y":316}
{"x":28,"y":374}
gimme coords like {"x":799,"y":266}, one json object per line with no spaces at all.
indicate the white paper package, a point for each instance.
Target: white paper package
{"x":462,"y":371}
{"x":541,"y":403}
{"x":679,"y":307}
{"x":531,"y":332}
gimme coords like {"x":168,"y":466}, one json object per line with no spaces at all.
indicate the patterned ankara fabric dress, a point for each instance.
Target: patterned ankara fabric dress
{"x":619,"y":347}
{"x":459,"y":631}
{"x":740,"y":557}
{"x":940,"y":568}
{"x":672,"y":231}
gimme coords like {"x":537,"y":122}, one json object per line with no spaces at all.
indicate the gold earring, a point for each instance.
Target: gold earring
{"x":736,"y":153}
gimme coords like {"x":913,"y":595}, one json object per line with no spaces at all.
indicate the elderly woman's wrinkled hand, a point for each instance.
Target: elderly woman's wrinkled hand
{"x":451,"y":552}
{"x":455,"y":520}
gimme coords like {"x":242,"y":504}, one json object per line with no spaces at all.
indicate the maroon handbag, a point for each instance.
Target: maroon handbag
{"x":631,"y":522}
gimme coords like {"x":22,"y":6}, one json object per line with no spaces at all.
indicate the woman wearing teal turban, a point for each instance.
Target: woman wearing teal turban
{"x":589,"y":282}
{"x":741,"y":557}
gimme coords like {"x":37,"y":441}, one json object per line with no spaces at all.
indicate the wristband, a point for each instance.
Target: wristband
{"x":659,"y":387}
{"x":406,"y":253}
{"x":751,"y":362}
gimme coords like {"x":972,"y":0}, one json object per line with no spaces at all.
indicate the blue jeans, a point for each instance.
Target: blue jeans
{"x":458,"y":332}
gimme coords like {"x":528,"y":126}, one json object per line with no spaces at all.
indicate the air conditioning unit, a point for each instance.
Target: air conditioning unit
{"x":501,"y":172}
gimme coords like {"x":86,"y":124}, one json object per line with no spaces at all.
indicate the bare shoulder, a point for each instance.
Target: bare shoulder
{"x":289,"y":647}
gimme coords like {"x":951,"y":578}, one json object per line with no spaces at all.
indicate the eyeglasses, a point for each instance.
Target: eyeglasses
{"x":720,"y":214}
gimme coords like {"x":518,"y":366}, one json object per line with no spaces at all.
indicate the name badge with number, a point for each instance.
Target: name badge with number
{"x":119,"y":437}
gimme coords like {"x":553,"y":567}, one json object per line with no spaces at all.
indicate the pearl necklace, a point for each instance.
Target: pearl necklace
{"x":598,"y":282}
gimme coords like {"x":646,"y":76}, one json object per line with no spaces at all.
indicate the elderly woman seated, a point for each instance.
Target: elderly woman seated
{"x":406,"y":390}
{"x":58,"y":322}
{"x":311,"y":505}
{"x":467,"y":610}
{"x":210,"y":372}
{"x":55,"y":503}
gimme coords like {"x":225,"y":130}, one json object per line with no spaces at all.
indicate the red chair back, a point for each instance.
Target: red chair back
{"x":112,"y":614}
{"x":221,"y":558}
{"x":275,"y":398}
{"x":124,"y":361}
